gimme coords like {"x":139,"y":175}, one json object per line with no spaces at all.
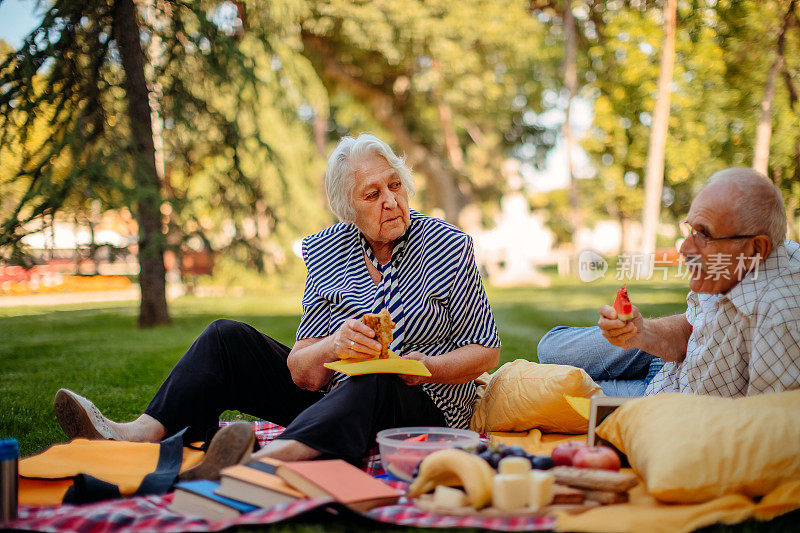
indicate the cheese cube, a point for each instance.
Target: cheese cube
{"x":449,"y":498}
{"x":540,"y":489}
{"x":514,"y":465}
{"x":510,"y":491}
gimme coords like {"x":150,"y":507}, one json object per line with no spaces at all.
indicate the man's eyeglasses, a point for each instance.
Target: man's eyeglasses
{"x":701,"y":238}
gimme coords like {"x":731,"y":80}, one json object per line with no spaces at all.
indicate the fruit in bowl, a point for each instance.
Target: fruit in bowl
{"x":402,"y":449}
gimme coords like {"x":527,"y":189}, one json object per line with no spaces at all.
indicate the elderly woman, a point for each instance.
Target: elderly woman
{"x":382,"y":255}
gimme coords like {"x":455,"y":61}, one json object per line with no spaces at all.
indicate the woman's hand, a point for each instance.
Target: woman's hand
{"x":355,"y":340}
{"x":415,"y":380}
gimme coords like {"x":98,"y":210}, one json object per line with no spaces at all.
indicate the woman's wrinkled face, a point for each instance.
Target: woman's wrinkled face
{"x":380,"y":200}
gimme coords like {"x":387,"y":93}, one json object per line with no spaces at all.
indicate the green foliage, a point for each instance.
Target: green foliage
{"x":252,"y":95}
{"x":723,"y":53}
{"x":241,"y":171}
{"x":456,"y":79}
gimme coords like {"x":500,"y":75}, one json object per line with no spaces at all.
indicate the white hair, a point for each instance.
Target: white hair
{"x":339,"y":181}
{"x":759,"y":202}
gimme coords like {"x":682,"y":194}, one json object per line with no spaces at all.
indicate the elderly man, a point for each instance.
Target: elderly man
{"x":740,"y":334}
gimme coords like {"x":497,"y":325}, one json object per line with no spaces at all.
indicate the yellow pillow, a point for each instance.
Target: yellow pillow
{"x":692,"y":448}
{"x":522,"y":395}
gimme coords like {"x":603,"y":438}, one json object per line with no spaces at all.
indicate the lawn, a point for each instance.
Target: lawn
{"x":97,"y":350}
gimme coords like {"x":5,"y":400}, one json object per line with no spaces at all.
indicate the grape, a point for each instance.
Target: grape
{"x":542,"y":462}
{"x":481,"y":447}
{"x":495,"y":458}
{"x":516,"y":451}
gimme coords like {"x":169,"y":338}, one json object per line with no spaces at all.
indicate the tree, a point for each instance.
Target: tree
{"x":73,"y":45}
{"x":654,"y":176}
{"x":719,"y":70}
{"x":449,"y":84}
{"x":231,"y":130}
{"x":764,"y":129}
{"x":571,"y":84}
{"x":152,"y":274}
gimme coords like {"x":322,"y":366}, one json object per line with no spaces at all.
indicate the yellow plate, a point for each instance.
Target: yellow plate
{"x":394,"y":364}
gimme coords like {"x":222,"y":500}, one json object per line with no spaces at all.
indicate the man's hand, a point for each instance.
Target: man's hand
{"x":619,"y":333}
{"x":416,"y":380}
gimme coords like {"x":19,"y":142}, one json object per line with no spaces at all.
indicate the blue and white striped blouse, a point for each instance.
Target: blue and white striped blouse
{"x":444,"y":304}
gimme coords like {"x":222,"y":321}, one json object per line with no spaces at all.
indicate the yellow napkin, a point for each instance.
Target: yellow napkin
{"x":394,"y":364}
{"x":581,"y":405}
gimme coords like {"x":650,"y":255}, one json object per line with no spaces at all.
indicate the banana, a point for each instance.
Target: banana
{"x":454,"y":467}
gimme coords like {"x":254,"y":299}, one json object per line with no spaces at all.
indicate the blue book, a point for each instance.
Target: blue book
{"x":198,"y":498}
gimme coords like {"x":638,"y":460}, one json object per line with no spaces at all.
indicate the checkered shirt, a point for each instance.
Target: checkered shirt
{"x":746,"y":341}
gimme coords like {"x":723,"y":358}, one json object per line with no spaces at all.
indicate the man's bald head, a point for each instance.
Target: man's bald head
{"x":757,"y":203}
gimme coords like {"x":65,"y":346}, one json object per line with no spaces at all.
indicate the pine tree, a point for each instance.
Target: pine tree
{"x":76,"y":102}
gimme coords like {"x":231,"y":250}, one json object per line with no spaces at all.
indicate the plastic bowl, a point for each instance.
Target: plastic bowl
{"x":400,"y":457}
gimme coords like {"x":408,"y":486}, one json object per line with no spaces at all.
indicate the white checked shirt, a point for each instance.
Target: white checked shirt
{"x":746,"y":341}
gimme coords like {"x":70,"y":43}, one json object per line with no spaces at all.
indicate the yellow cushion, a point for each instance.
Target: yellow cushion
{"x":522,"y":395}
{"x":692,"y":448}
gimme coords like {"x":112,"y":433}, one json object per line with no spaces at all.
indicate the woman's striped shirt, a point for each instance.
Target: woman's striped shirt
{"x":440,"y":290}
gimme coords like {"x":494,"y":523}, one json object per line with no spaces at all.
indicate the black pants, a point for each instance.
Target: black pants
{"x":233,"y":366}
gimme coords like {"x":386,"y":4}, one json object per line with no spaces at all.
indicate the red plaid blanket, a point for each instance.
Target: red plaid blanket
{"x":150,"y":513}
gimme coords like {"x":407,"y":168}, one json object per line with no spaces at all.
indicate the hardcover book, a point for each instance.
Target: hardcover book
{"x":339,"y":480}
{"x":256,"y":483}
{"x":198,"y":498}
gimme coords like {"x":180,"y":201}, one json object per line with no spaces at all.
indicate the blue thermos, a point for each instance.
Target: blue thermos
{"x":9,"y":458}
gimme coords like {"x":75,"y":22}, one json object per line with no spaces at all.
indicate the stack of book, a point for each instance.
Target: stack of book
{"x":268,"y":482}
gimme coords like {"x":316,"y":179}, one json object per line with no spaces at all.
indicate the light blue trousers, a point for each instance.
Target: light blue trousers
{"x":619,"y":371}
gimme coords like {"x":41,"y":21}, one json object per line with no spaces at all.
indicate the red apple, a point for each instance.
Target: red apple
{"x":601,"y":457}
{"x":563,"y":454}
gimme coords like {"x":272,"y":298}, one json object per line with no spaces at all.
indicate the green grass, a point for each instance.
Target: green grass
{"x":97,"y":350}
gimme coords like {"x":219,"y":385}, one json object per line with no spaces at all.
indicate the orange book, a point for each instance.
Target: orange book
{"x":339,"y":480}
{"x":256,"y":483}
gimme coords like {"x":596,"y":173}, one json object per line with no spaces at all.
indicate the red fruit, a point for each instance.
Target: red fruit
{"x":563,"y":454}
{"x":601,"y":457}
{"x":622,"y":305}
{"x":419,"y":438}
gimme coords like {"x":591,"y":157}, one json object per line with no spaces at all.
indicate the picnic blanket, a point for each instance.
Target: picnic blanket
{"x":151,"y":513}
{"x":642,"y":513}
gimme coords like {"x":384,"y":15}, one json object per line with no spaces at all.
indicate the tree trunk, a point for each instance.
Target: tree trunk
{"x":654,"y":175}
{"x":571,"y":83}
{"x":152,"y":274}
{"x":764,"y":129}
{"x":319,"y":128}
